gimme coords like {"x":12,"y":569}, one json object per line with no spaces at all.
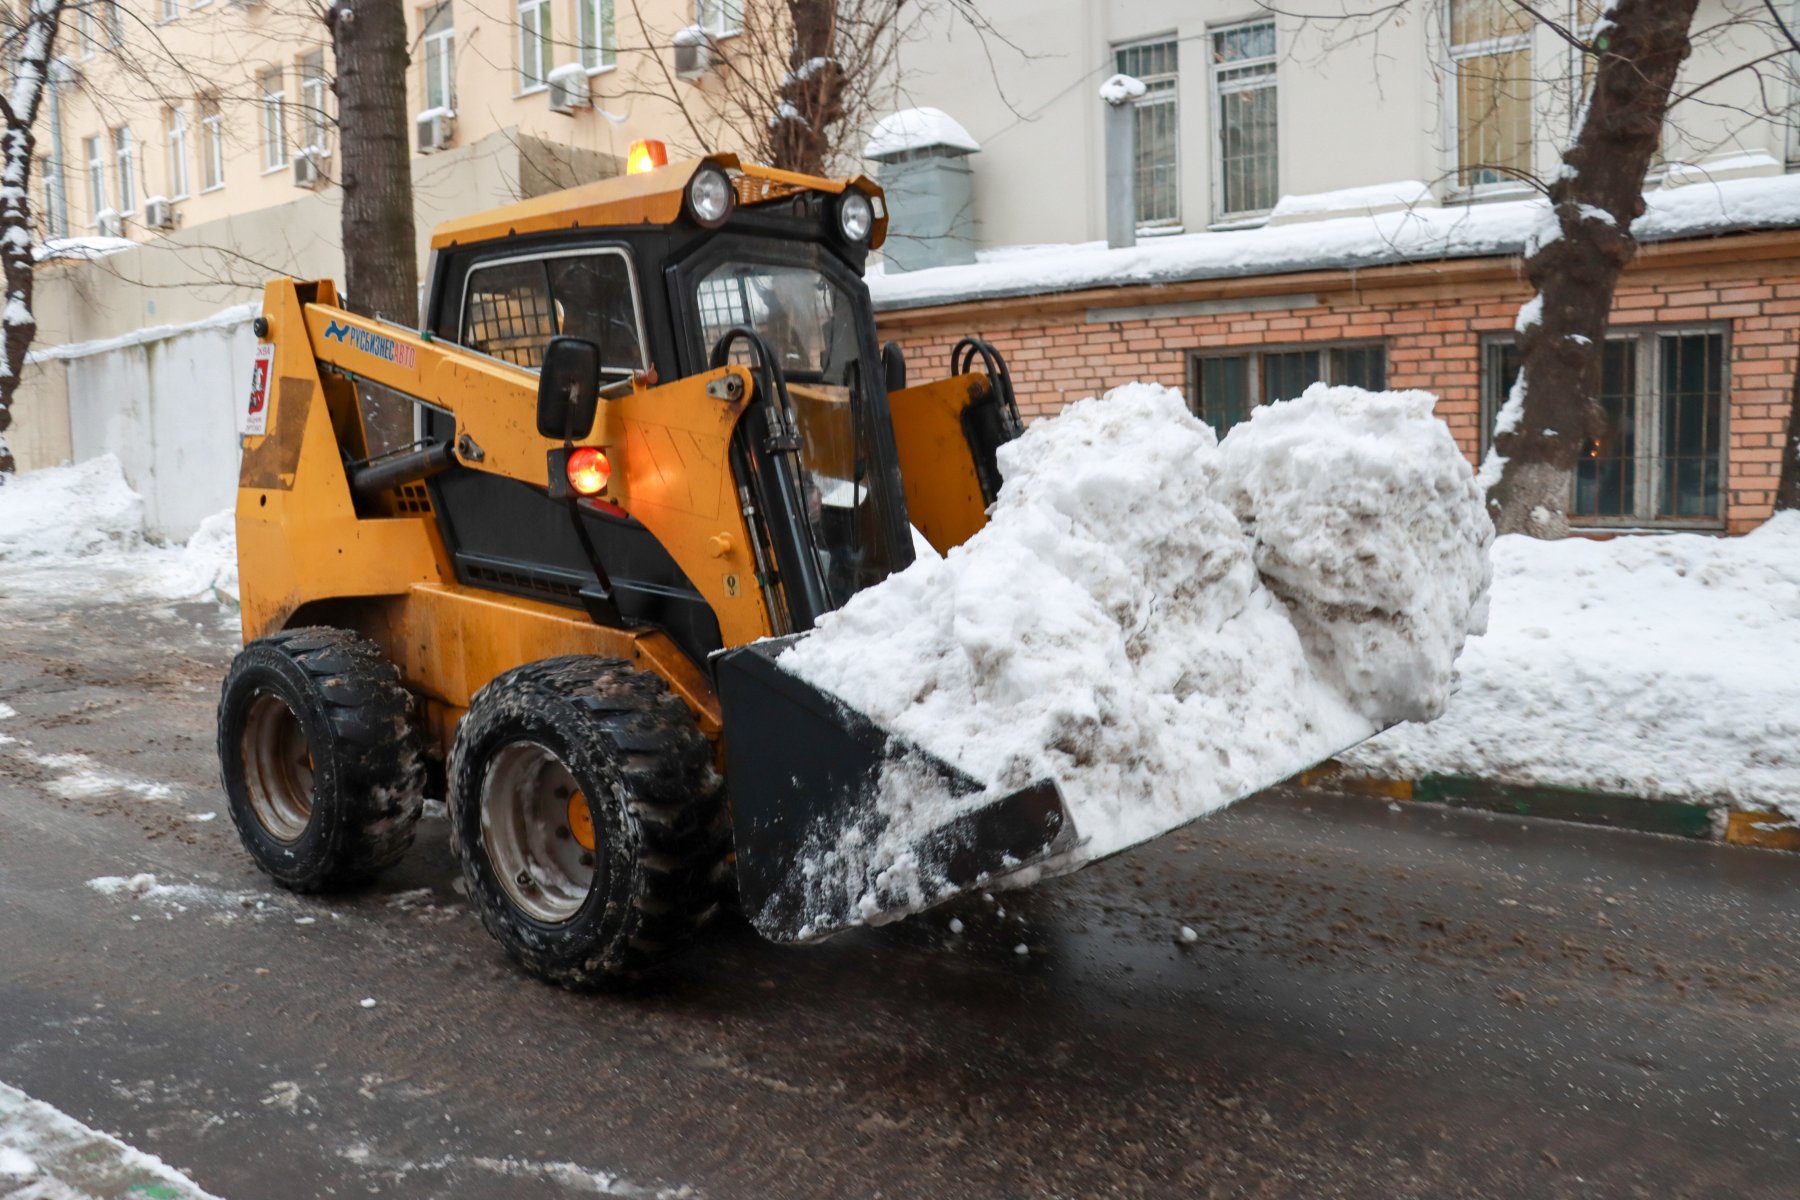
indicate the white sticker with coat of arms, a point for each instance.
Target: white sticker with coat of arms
{"x":256,"y":417}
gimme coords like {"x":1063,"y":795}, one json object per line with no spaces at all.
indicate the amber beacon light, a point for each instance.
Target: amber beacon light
{"x":646,"y":155}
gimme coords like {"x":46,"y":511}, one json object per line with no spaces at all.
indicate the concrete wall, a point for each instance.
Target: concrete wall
{"x":1359,"y":102}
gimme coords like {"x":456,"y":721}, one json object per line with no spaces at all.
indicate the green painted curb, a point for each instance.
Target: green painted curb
{"x":1568,"y":804}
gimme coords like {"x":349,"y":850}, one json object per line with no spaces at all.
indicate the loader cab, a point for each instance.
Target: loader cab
{"x":668,"y":290}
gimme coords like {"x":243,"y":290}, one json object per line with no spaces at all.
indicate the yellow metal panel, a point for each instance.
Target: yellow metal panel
{"x":937,"y":471}
{"x":1770,"y":830}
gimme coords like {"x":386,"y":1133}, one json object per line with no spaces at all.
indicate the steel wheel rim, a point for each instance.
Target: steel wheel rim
{"x":278,"y":768}
{"x":525,"y":805}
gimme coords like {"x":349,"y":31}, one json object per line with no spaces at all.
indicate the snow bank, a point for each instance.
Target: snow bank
{"x":47,"y":1154}
{"x":1659,"y":666}
{"x":62,"y":525}
{"x":1163,"y":623}
{"x":69,"y":512}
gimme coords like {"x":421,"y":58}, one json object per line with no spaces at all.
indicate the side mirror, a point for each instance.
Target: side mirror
{"x":568,"y":389}
{"x":893,"y":367}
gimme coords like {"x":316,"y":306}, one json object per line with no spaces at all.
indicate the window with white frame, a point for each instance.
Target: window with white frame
{"x":85,"y":32}
{"x":534,"y":45}
{"x":168,"y":10}
{"x":1224,"y":388}
{"x":56,"y":198}
{"x":114,"y":21}
{"x":175,"y":136}
{"x":1245,"y":141}
{"x":315,"y":117}
{"x":1490,"y":91}
{"x":1660,"y":456}
{"x":598,"y":45}
{"x":274,"y":119}
{"x":439,"y":48}
{"x":124,"y":154}
{"x":1156,"y":130}
{"x":212,"y":145}
{"x":95,"y":153}
{"x":719,"y":18}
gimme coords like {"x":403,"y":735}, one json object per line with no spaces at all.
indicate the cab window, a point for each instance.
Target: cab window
{"x":511,"y":310}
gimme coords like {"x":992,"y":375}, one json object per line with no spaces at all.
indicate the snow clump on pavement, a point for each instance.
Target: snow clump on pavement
{"x":1164,"y":623}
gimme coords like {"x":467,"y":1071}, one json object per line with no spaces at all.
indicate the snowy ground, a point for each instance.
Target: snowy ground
{"x":1659,"y":666}
{"x":46,"y":1154}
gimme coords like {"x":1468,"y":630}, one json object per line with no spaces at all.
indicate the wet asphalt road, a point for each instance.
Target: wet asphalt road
{"x":1382,"y":1002}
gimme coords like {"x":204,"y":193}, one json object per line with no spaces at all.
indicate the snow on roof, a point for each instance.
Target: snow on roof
{"x":917,"y":129}
{"x":80,"y":247}
{"x":1406,"y":193}
{"x":1421,"y":233}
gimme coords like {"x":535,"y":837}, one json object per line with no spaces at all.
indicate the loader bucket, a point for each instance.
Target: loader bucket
{"x":826,"y":809}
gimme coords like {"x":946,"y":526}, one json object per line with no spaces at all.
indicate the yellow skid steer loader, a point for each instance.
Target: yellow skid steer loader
{"x":656,"y":440}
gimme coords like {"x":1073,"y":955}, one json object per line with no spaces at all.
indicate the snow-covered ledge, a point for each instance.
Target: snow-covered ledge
{"x":1716,"y":167}
{"x":1367,"y":201}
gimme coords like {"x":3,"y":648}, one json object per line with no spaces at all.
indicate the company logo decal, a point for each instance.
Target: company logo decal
{"x":380,"y":345}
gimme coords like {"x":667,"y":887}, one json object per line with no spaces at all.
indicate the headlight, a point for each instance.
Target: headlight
{"x":855,"y":216}
{"x":710,"y":197}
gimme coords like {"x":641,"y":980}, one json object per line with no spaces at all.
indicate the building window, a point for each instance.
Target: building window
{"x":598,"y":44}
{"x":1225,"y":387}
{"x":534,"y":45}
{"x":114,"y":22}
{"x":56,"y":198}
{"x":168,"y":10}
{"x":96,"y":168}
{"x":315,"y":118}
{"x":274,"y":119}
{"x":1660,"y":459}
{"x":1490,"y":69}
{"x":85,"y":32}
{"x":123,"y":154}
{"x":719,"y":18}
{"x":440,"y":56}
{"x":1155,"y":130}
{"x":212,"y":145}
{"x":1243,"y":74}
{"x":175,"y":135}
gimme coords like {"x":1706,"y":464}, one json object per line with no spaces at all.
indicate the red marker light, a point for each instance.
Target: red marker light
{"x":645,"y":156}
{"x":589,"y":471}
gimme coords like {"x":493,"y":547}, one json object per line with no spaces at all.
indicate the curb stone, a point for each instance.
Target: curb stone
{"x":1737,"y":826}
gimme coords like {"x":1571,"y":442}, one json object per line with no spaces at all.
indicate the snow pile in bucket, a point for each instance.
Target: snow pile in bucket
{"x":1163,"y":623}
{"x":80,"y":528}
{"x":69,"y":512}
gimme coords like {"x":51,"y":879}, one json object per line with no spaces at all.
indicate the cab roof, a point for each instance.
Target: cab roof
{"x":652,"y":197}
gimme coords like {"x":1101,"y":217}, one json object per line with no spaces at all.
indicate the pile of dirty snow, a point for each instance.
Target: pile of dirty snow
{"x":80,"y":528}
{"x":1162,"y":622}
{"x":1659,"y":666}
{"x":45,"y":1154}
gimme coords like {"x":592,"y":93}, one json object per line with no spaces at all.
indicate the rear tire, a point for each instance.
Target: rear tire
{"x":319,"y":758}
{"x":587,"y":817}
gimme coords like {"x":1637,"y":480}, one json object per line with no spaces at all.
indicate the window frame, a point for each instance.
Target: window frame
{"x":602,"y":42}
{"x":1217,"y":89}
{"x":124,"y":152}
{"x":212,"y":145}
{"x":273,"y":117}
{"x":438,"y":47}
{"x":1648,"y":399}
{"x":543,"y":29}
{"x":1253,"y":371}
{"x":168,"y":10}
{"x":1454,"y":54}
{"x":631,"y":273}
{"x":314,"y":117}
{"x":94,"y":148}
{"x":725,"y":26}
{"x":1156,"y":96}
{"x":175,"y":134}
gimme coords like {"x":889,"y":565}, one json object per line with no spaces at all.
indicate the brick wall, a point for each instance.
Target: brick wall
{"x":1061,"y":349}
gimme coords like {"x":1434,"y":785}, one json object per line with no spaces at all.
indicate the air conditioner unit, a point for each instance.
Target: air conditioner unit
{"x":108,"y":223}
{"x":568,"y":88}
{"x":435,"y":126}
{"x":159,"y":213}
{"x":306,"y":169}
{"x":693,"y":52}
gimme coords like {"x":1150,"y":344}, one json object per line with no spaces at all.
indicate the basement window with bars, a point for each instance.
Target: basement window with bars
{"x":1660,"y":459}
{"x":1156,"y":131}
{"x":1224,"y":388}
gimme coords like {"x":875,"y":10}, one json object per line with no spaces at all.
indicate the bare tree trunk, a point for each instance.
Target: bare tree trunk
{"x":1575,"y":260}
{"x":381,"y":268}
{"x":18,"y":113}
{"x":811,"y":96}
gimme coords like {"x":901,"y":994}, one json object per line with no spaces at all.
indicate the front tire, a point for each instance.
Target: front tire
{"x":319,"y":758}
{"x":588,"y":818}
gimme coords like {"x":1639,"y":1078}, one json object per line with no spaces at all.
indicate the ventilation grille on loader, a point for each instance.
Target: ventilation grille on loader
{"x":413,"y":498}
